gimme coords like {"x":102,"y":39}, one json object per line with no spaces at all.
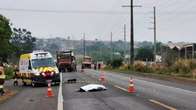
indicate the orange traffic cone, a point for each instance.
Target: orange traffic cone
{"x":102,"y":78}
{"x":131,"y":88}
{"x":49,"y":91}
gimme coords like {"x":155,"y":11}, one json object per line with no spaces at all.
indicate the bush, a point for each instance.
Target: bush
{"x":182,"y":66}
{"x":117,"y":63}
{"x":9,"y":72}
{"x":108,"y":67}
{"x":124,"y":67}
{"x":141,"y":67}
{"x":193,"y":64}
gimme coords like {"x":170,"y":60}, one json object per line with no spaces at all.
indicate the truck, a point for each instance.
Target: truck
{"x":87,"y":62}
{"x":66,"y":61}
{"x":37,"y":68}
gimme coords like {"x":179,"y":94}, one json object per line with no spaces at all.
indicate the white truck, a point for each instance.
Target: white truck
{"x":37,"y":68}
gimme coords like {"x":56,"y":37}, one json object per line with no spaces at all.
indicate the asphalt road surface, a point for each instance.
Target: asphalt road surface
{"x":175,"y":95}
{"x":151,"y":95}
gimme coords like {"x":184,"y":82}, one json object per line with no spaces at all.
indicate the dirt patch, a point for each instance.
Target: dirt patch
{"x":8,"y":94}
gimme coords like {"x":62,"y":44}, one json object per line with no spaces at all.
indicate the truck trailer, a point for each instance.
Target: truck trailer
{"x":87,"y":62}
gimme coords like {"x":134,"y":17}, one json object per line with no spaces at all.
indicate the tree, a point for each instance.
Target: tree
{"x":22,"y":41}
{"x":144,"y":53}
{"x":169,"y":56}
{"x":5,"y":34}
{"x":117,"y":62}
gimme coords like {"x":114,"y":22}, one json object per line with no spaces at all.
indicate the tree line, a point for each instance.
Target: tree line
{"x":14,"y":41}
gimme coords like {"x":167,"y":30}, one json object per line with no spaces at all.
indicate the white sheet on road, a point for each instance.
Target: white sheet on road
{"x":93,"y":87}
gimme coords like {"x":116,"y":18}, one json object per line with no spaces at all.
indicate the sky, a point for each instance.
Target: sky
{"x":176,"y":19}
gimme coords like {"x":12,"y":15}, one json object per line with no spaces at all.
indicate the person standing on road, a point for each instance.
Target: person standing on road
{"x":2,"y":78}
{"x":16,"y":70}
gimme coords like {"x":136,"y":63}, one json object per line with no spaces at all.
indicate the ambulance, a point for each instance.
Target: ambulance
{"x":37,"y":68}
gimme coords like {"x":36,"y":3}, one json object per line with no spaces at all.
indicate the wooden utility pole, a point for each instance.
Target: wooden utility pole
{"x":131,"y":31}
{"x":131,"y":34}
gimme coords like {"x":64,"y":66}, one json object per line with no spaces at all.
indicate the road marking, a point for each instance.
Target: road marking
{"x":162,"y":104}
{"x":121,"y":88}
{"x":155,"y":83}
{"x":60,"y":95}
{"x":151,"y":100}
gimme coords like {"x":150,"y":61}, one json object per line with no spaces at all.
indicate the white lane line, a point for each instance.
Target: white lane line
{"x":60,"y":95}
{"x":151,"y":100}
{"x":162,"y":104}
{"x":121,"y":88}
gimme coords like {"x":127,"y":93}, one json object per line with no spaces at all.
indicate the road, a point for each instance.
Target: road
{"x":151,"y":95}
{"x":182,"y":97}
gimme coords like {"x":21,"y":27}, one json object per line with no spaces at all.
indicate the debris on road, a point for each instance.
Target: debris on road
{"x":74,"y":80}
{"x":92,"y":88}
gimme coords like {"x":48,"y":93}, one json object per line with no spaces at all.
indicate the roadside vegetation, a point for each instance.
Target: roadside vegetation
{"x":180,"y":68}
{"x":13,"y":42}
{"x":9,"y":72}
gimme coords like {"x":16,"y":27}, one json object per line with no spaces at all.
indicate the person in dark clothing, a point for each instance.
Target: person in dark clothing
{"x":2,"y":78}
{"x":99,"y":66}
{"x":16,"y":70}
{"x":95,"y":66}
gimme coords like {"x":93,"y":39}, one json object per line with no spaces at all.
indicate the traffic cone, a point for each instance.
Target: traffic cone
{"x":102,"y":78}
{"x":131,"y":88}
{"x":49,"y":91}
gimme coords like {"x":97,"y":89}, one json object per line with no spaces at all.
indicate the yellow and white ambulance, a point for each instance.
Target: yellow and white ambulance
{"x":37,"y":68}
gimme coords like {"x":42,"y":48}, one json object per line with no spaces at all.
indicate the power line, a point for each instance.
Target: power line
{"x":65,"y":11}
{"x":90,"y":12}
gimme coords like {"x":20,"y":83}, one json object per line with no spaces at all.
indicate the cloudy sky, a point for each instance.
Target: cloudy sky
{"x":176,"y":19}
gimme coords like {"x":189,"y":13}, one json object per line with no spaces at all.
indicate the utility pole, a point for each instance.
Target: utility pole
{"x":131,"y":34}
{"x":155,"y":35}
{"x":131,"y":31}
{"x":125,"y":40}
{"x":111,"y":46}
{"x":84,"y":45}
